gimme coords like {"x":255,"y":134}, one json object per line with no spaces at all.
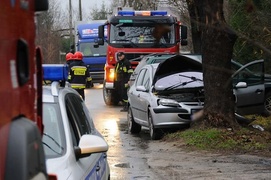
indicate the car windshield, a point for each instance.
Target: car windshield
{"x":180,"y":81}
{"x":53,"y":134}
{"x":88,"y":49}
{"x":139,"y":35}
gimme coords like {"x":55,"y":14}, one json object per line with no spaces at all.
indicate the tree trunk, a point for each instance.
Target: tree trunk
{"x":196,"y":18}
{"x":217,"y":49}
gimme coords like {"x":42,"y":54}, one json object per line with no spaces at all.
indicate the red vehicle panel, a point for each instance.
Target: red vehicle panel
{"x":20,"y":89}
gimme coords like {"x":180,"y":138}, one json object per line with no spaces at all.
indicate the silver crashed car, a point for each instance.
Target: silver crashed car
{"x":165,"y":95}
{"x":74,"y":149}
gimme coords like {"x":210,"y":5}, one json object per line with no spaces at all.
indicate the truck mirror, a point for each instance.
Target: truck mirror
{"x":183,"y":32}
{"x":100,"y":42}
{"x":96,"y":45}
{"x":101,"y":32}
{"x":121,"y":33}
{"x":41,"y":5}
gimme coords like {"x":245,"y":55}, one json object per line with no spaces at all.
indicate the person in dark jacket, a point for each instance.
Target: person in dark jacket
{"x":78,"y":74}
{"x":123,"y":72}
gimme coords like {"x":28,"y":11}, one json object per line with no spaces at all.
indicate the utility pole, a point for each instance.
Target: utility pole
{"x":80,"y":10}
{"x":70,"y":22}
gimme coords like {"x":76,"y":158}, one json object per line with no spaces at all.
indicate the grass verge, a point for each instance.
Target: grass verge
{"x":246,"y":140}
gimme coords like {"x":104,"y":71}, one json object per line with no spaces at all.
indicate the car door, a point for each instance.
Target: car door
{"x":144,"y":97}
{"x":133,"y":95}
{"x":249,"y":96}
{"x":90,"y":166}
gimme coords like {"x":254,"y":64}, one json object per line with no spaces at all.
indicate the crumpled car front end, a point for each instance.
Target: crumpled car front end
{"x":179,"y":94}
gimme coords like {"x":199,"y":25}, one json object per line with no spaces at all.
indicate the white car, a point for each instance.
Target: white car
{"x":165,"y":95}
{"x":74,"y":149}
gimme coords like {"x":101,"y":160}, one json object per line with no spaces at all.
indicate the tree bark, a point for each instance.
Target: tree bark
{"x":217,"y":49}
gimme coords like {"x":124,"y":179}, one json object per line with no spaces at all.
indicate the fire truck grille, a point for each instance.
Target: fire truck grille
{"x":96,"y":67}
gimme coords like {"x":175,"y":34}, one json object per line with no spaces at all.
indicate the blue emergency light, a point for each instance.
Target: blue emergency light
{"x":142,"y":13}
{"x":158,"y":13}
{"x":126,"y":13}
{"x":55,"y":72}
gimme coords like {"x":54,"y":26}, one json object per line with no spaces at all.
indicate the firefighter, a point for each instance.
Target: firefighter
{"x":123,"y":71}
{"x":78,"y":74}
{"x":69,"y":59}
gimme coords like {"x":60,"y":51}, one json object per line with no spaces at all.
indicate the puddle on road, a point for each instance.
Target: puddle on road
{"x":123,"y":165}
{"x":141,"y":177}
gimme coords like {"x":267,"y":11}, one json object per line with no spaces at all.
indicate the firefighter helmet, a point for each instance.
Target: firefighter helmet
{"x":78,"y":55}
{"x":69,"y":56}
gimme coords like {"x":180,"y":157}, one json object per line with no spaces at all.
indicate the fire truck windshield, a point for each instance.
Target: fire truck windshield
{"x":88,"y":49}
{"x":140,"y":35}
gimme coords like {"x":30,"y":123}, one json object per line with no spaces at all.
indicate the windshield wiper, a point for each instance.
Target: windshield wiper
{"x":51,"y":148}
{"x":50,"y":137}
{"x":193,"y":79}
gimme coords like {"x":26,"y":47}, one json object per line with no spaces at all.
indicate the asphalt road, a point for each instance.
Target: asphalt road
{"x":139,"y":158}
{"x":127,"y":157}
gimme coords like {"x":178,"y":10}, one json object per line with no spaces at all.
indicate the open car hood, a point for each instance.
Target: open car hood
{"x":175,"y":65}
{"x":178,"y":72}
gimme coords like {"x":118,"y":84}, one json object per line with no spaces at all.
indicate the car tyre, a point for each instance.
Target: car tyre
{"x":155,"y":133}
{"x":267,"y":104}
{"x":133,"y":127}
{"x":110,"y":96}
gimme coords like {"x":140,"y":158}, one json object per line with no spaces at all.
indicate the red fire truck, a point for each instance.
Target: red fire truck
{"x":21,"y":150}
{"x":138,"y":33}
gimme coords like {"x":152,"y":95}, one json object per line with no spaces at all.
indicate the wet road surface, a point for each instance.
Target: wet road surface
{"x":127,"y":157}
{"x":139,"y":158}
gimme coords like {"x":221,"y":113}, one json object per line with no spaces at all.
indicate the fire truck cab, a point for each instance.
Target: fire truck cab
{"x":138,"y":33}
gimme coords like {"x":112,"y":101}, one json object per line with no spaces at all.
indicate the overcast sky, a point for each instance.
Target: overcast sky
{"x":85,"y":3}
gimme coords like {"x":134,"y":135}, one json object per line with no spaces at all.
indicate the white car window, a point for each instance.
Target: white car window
{"x":146,"y":80}
{"x":139,"y":80}
{"x":53,"y":135}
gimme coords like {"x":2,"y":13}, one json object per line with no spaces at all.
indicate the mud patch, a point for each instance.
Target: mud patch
{"x":123,"y":127}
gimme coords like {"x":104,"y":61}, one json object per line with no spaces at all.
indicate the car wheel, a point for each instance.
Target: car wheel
{"x":133,"y":127}
{"x":155,"y":133}
{"x":267,"y":104}
{"x":110,"y":96}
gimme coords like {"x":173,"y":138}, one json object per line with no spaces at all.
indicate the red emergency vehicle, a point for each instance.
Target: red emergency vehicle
{"x":21,"y":150}
{"x":138,"y":33}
